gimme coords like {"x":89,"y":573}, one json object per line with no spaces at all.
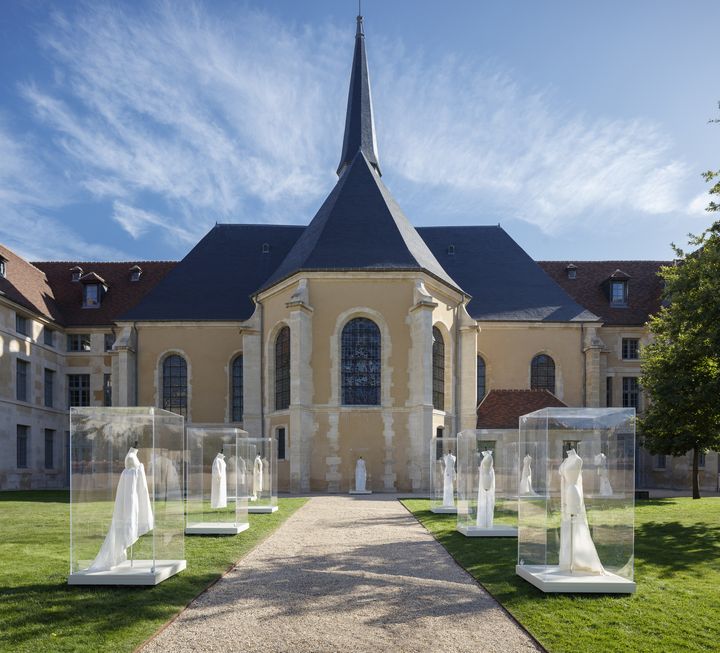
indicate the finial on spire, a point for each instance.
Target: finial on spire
{"x":359,"y":121}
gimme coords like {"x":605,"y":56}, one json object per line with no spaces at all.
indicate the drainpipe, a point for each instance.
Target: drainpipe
{"x":584,"y":367}
{"x":262,"y":370}
{"x":456,"y":384}
{"x":137,"y":360}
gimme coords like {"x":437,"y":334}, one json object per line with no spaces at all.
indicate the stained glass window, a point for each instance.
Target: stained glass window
{"x":361,"y":367}
{"x":237,"y":389}
{"x":282,"y":369}
{"x":480,"y":379}
{"x":542,"y":373}
{"x":175,"y":385}
{"x":438,"y":369}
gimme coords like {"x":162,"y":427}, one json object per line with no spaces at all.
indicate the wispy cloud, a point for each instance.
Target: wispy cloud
{"x":177,"y":115}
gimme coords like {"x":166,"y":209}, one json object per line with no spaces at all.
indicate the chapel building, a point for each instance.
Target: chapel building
{"x":356,"y":335}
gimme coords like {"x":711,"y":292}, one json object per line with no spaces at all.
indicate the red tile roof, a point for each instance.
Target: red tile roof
{"x":121,"y":296}
{"x":644,"y":287}
{"x":501,"y":409}
{"x":27,"y":286}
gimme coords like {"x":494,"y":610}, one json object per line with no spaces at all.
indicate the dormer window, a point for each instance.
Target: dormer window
{"x":3,"y":269}
{"x":266,"y":248}
{"x":94,"y":290}
{"x":451,"y":250}
{"x":618,"y":293}
{"x":76,"y":273}
{"x":571,"y":271}
{"x":135,"y":272}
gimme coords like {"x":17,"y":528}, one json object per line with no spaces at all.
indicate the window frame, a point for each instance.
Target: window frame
{"x":49,"y":439}
{"x":282,"y":351}
{"x":22,"y":392}
{"x":361,"y":334}
{"x":281,"y":450}
{"x":619,"y":302}
{"x":109,"y":339}
{"x":628,"y":393}
{"x":608,"y":391}
{"x":630,"y":346}
{"x":49,"y":336}
{"x":237,"y":387}
{"x":79,"y":343}
{"x":21,"y":324}
{"x":438,"y":369}
{"x":174,"y":385}
{"x":541,"y":376}
{"x":80,"y":384}
{"x":107,"y":390}
{"x":22,"y":433}
{"x":49,"y":387}
{"x":480,"y":366}
{"x":96,"y":300}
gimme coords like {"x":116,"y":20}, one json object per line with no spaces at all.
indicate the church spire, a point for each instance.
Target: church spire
{"x":359,"y":121}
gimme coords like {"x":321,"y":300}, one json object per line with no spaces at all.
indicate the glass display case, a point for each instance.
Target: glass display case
{"x":127,"y":493}
{"x":360,"y":479}
{"x":577,"y":499}
{"x":487,"y":483}
{"x":257,"y":462}
{"x":443,"y":475}
{"x":216,"y":494}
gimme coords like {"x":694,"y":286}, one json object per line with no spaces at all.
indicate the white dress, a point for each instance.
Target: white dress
{"x":132,"y":515}
{"x":218,"y":488}
{"x":486,"y":492}
{"x":602,"y":470}
{"x":526,"y":488}
{"x":448,"y":479}
{"x":360,"y":475}
{"x":257,"y":477}
{"x":577,"y":550}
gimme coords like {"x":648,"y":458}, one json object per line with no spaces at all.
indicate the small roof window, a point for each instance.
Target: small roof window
{"x":76,"y":273}
{"x":571,"y":271}
{"x":617,"y":285}
{"x":135,"y":273}
{"x":3,"y":268}
{"x":266,"y":248}
{"x":94,"y":289}
{"x":451,"y":250}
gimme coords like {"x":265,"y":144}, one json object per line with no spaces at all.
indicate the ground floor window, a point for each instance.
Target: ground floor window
{"x":49,"y":449}
{"x":280,"y":437}
{"x":22,"y":446}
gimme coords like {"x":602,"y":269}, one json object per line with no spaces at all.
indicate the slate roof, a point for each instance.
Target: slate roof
{"x":360,"y":227}
{"x":28,"y":286}
{"x":644,"y":287}
{"x":216,"y":279}
{"x":359,"y":121}
{"x":122,"y":294}
{"x":504,"y":282}
{"x":501,"y":409}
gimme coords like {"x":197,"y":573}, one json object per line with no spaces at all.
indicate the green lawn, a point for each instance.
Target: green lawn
{"x":39,"y":612}
{"x":677,"y":569}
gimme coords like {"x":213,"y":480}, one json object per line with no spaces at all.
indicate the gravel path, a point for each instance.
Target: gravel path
{"x":350,"y":574}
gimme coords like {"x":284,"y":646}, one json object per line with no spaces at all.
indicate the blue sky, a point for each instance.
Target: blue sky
{"x":128,"y":129}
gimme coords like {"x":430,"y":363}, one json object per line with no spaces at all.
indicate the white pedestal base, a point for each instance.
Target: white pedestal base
{"x":139,"y":574}
{"x":214,"y":528}
{"x":444,"y":510}
{"x":360,"y":491}
{"x":549,"y":578}
{"x":262,"y":509}
{"x":495,"y":531}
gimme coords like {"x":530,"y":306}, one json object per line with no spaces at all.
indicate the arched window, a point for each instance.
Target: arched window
{"x":542,"y":373}
{"x":480,"y":378}
{"x":282,"y":369}
{"x":236,"y":390}
{"x":174,"y":386}
{"x":438,"y":369}
{"x":361,"y":365}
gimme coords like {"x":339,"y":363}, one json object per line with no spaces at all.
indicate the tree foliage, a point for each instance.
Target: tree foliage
{"x":681,"y":367}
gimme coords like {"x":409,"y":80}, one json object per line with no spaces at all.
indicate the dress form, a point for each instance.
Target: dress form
{"x":448,"y":462}
{"x":257,"y":476}
{"x":360,"y":475}
{"x":526,"y":477}
{"x":577,"y":550}
{"x":486,"y":491}
{"x":602,"y":470}
{"x":218,"y":490}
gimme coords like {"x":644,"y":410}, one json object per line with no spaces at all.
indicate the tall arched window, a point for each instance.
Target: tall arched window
{"x":438,"y":369}
{"x":542,"y":373}
{"x":361,"y":367}
{"x":174,"y":384}
{"x":282,"y":369}
{"x":480,"y":378}
{"x":236,"y":381}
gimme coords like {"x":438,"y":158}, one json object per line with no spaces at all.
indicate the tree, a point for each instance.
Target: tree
{"x":681,"y":367}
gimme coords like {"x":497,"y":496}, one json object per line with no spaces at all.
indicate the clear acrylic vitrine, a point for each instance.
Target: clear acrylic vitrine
{"x":487,"y":483}
{"x":257,"y":464}
{"x":577,"y":499}
{"x":216,"y":494}
{"x":443,"y":475}
{"x":127,"y":493}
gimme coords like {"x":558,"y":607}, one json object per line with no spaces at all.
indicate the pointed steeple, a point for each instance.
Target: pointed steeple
{"x":359,"y":121}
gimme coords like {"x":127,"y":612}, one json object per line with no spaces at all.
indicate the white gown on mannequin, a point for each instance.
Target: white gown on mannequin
{"x":132,"y":515}
{"x":577,"y":550}
{"x":448,"y":479}
{"x":486,"y":492}
{"x":218,"y":488}
{"x":257,"y":476}
{"x":360,"y":475}
{"x":526,"y":488}
{"x":242,"y":477}
{"x":602,"y":470}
